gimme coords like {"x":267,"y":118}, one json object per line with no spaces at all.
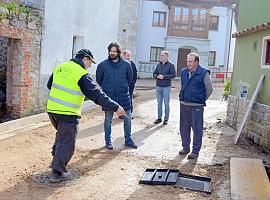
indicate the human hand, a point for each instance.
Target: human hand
{"x":120,"y":111}
{"x":160,"y":76}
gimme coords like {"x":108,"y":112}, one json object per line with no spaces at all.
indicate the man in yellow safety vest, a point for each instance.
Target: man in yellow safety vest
{"x":68,"y":85}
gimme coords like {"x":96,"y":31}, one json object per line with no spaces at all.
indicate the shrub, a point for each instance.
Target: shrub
{"x":226,"y":91}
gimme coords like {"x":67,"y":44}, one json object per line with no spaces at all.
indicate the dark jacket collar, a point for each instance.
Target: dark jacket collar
{"x":164,"y":63}
{"x":78,"y":61}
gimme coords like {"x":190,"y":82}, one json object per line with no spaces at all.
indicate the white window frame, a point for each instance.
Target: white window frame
{"x":263,"y":55}
{"x":77,"y":44}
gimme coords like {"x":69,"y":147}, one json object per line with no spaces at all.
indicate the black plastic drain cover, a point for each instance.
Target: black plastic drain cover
{"x":174,"y":177}
{"x":159,"y":176}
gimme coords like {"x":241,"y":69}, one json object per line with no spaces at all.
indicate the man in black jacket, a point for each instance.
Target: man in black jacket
{"x":127,"y":56}
{"x":64,"y":107}
{"x":164,"y":72}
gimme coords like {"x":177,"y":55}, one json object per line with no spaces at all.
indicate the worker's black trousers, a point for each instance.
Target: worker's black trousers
{"x":64,"y":144}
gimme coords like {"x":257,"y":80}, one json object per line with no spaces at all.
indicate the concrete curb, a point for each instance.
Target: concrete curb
{"x":14,"y":127}
{"x":23,"y":122}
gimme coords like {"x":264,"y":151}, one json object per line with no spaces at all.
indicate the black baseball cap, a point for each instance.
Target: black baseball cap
{"x":86,"y":53}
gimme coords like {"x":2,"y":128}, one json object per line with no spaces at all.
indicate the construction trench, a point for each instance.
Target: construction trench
{"x":101,"y":174}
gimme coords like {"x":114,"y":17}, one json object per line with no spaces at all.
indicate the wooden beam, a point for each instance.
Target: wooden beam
{"x":248,"y":179}
{"x":254,"y":97}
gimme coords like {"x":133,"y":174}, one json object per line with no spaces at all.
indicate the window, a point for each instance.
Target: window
{"x":214,"y":23}
{"x":267,"y":55}
{"x":155,"y":53}
{"x":212,"y":58}
{"x":198,"y":19}
{"x":181,"y":18}
{"x":266,"y":52}
{"x":159,"y":19}
{"x":77,"y":44}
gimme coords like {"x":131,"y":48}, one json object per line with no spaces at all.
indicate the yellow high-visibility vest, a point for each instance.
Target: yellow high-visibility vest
{"x":66,"y":96}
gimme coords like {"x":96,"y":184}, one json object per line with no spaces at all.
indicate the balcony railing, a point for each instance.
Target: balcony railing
{"x":146,"y":69}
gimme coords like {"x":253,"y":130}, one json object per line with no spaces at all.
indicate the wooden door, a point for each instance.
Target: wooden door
{"x":182,"y":57}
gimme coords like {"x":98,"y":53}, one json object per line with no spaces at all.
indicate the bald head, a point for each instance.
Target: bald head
{"x":127,"y":55}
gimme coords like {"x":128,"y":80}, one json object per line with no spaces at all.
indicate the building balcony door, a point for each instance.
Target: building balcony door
{"x":181,"y":60}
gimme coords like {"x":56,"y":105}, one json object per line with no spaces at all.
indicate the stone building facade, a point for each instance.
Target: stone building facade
{"x":257,"y":127}
{"x":129,"y":24}
{"x":20,"y":63}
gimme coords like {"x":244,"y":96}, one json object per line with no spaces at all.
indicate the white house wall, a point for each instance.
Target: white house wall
{"x":93,"y":20}
{"x":151,"y":35}
{"x":219,"y":38}
{"x":96,"y":21}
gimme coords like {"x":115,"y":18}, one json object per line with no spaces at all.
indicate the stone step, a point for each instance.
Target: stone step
{"x":249,"y":179}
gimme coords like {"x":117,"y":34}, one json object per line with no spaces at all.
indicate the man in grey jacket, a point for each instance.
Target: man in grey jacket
{"x":164,"y":72}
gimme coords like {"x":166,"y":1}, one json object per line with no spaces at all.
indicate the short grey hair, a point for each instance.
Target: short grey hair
{"x":196,"y":56}
{"x":166,"y":52}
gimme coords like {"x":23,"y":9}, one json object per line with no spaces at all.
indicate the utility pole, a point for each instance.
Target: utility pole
{"x":230,"y":40}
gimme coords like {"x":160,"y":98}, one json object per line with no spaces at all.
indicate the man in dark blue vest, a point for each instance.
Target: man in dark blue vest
{"x":196,"y":87}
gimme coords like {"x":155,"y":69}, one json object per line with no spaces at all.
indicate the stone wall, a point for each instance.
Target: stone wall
{"x":39,"y":4}
{"x":257,"y":127}
{"x":129,"y":23}
{"x":23,"y":33}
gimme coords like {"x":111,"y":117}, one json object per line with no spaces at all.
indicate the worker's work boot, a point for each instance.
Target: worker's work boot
{"x":58,"y":177}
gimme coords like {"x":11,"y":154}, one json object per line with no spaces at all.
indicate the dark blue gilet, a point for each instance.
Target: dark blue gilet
{"x":193,"y":89}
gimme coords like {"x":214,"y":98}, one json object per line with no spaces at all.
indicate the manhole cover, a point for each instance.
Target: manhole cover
{"x":44,"y":179}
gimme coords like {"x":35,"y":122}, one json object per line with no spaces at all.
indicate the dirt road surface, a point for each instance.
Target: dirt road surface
{"x":102,"y":174}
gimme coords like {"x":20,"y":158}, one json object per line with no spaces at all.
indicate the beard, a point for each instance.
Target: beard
{"x":113,"y":57}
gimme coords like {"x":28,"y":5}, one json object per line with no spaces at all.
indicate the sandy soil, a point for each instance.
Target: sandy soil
{"x":102,"y":174}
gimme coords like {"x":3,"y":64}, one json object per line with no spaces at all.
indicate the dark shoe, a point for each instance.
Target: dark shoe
{"x":59,"y":176}
{"x":165,"y":122}
{"x":193,"y":156}
{"x":158,"y":121}
{"x":109,"y":146}
{"x":131,"y":144}
{"x":184,"y":152}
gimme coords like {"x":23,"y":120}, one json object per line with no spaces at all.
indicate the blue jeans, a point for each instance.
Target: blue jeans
{"x":191,"y":117}
{"x":163,"y":94}
{"x":108,"y":126}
